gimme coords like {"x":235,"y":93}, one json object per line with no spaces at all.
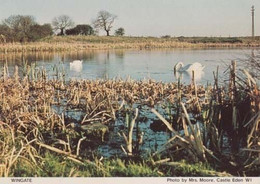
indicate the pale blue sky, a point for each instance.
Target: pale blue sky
{"x":149,"y":17}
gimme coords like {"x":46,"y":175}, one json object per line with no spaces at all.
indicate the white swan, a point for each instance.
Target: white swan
{"x":188,"y":68}
{"x":76,"y":65}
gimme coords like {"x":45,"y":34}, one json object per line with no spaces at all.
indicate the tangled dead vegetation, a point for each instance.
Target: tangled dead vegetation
{"x":39,"y":114}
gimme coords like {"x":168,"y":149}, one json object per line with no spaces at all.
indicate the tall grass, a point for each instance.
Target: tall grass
{"x":75,"y":43}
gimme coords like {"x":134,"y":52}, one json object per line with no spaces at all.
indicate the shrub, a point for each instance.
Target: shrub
{"x":83,"y":29}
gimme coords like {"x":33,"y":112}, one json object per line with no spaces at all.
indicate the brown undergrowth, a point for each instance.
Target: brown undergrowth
{"x":35,"y":117}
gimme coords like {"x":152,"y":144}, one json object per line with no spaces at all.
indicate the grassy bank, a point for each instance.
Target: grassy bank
{"x":72,"y":43}
{"x":55,"y":166}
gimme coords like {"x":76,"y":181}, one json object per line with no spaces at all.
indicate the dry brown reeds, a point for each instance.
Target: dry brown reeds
{"x":37,"y":114}
{"x":230,"y":113}
{"x":76,"y":43}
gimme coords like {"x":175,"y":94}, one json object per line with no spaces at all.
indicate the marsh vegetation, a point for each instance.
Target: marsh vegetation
{"x":80,"y":42}
{"x":51,"y":126}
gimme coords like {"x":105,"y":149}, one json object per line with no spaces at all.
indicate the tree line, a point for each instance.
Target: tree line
{"x":24,"y":28}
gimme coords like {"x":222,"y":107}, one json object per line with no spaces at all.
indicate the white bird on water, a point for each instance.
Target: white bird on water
{"x":180,"y":70}
{"x":179,"y":67}
{"x":76,"y":65}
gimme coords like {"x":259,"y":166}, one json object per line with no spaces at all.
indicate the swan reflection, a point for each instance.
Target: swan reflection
{"x":198,"y":75}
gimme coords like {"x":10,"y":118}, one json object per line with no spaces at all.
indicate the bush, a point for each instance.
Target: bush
{"x":40,"y":31}
{"x":19,"y":28}
{"x":181,"y":38}
{"x":166,"y":36}
{"x":120,"y":32}
{"x":231,"y":40}
{"x":7,"y":32}
{"x":83,"y":29}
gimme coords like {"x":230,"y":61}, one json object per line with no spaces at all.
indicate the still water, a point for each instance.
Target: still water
{"x":138,"y":64}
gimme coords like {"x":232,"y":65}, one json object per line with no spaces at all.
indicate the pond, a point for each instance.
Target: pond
{"x":138,"y":64}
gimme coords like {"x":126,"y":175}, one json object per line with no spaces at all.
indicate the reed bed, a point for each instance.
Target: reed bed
{"x":231,"y":113}
{"x":75,"y":43}
{"x":38,"y":118}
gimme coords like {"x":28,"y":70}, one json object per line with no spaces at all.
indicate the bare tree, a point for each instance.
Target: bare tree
{"x":62,"y":23}
{"x":104,"y":21}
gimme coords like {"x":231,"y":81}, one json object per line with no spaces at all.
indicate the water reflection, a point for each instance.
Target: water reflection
{"x":120,"y":54}
{"x":18,"y":58}
{"x":139,"y":64}
{"x":254,"y":64}
{"x":251,"y":63}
